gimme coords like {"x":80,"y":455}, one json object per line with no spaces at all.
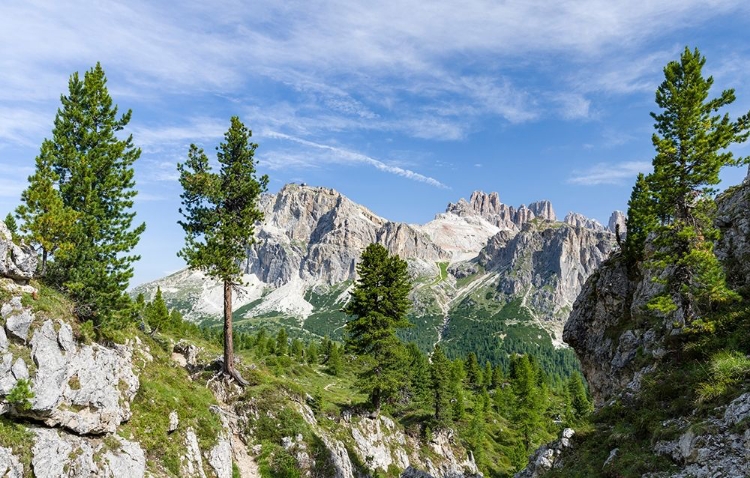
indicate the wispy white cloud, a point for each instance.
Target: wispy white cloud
{"x":345,"y":156}
{"x":605,"y":173}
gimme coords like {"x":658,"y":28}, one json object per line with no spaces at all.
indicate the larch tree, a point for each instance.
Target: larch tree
{"x":78,"y":205}
{"x":220,"y":211}
{"x":378,"y":303}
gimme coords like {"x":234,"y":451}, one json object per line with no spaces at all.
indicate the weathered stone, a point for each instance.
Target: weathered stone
{"x":547,"y":456}
{"x":17,"y":262}
{"x":7,"y":380}
{"x":3,"y":340}
{"x":19,"y":369}
{"x":174,"y":421}
{"x":220,"y":457}
{"x":85,"y":389}
{"x":19,"y":324}
{"x":191,"y":463}
{"x":56,"y":453}
{"x":10,"y":464}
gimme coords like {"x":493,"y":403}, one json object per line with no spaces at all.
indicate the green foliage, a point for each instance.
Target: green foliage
{"x":642,"y":219}
{"x":10,"y":223}
{"x":579,"y":400}
{"x":77,"y":205}
{"x":282,"y":342}
{"x":440,"y":386}
{"x":529,"y":398}
{"x":334,"y":361}
{"x":156,"y":313}
{"x":676,"y":200}
{"x":220,"y":211}
{"x":726,"y":370}
{"x":17,"y":437}
{"x":473,"y":372}
{"x":379,"y":302}
{"x":20,"y":395}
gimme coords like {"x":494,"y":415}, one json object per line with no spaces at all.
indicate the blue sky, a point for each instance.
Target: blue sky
{"x":402,"y":106}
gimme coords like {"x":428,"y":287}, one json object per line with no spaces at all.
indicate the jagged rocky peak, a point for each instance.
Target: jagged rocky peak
{"x":618,"y":218}
{"x":543,"y":209}
{"x":490,"y":208}
{"x":297,"y":209}
{"x":579,"y":220}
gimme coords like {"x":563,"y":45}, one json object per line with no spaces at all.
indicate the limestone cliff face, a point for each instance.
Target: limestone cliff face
{"x":546,"y":265}
{"x":317,"y":235}
{"x":619,"y":343}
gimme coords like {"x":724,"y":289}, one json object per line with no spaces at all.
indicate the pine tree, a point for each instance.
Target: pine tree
{"x":221,"y":211}
{"x":335,"y":362}
{"x":528,"y":399}
{"x":579,"y":401}
{"x":642,"y":219}
{"x":487,"y":375}
{"x":473,"y":372}
{"x":85,"y":221}
{"x":10,"y":223}
{"x":296,"y":350}
{"x":419,"y":373}
{"x":46,"y":222}
{"x":440,"y":384}
{"x":157,"y":315}
{"x":312,"y":354}
{"x":691,"y":143}
{"x":379,"y":303}
{"x":282,"y":342}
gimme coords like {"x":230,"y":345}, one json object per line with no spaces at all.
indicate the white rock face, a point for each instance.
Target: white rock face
{"x":192,"y":462}
{"x":547,"y":456}
{"x":56,"y":454}
{"x":10,"y":465}
{"x":86,"y":389}
{"x":220,"y":457}
{"x":16,"y":262}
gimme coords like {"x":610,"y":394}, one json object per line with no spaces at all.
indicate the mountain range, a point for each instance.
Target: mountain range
{"x":487,"y":276}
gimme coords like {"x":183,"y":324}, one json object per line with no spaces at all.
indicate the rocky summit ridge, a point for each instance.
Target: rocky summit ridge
{"x":308,"y":245}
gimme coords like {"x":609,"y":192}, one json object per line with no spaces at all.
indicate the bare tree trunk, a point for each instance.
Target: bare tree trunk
{"x":228,"y":339}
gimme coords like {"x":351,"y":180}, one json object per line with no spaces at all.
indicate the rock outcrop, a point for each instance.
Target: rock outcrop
{"x":17,"y":262}
{"x":620,"y":343}
{"x":546,"y":266}
{"x":547,"y":456}
{"x":56,"y":453}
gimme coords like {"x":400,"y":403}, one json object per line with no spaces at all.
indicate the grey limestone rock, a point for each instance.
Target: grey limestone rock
{"x":579,"y":220}
{"x":618,"y":218}
{"x":220,"y":457}
{"x":16,"y":262}
{"x":174,"y":421}
{"x":547,"y":456}
{"x":3,"y":340}
{"x":191,"y":463}
{"x":56,"y":453}
{"x":19,"y":323}
{"x":86,"y":389}
{"x":10,"y":465}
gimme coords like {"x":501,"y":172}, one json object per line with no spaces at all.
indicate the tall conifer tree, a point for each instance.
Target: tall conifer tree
{"x":379,"y":303}
{"x":220,"y":212}
{"x":78,"y":206}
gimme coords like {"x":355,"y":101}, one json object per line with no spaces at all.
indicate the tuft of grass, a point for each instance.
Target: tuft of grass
{"x":726,"y":369}
{"x":16,"y":437}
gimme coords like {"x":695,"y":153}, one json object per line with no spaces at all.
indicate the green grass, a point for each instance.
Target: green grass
{"x":18,"y":438}
{"x":165,"y":387}
{"x":442,"y":272}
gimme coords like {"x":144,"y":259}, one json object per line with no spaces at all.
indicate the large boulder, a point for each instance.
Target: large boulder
{"x":56,"y":453}
{"x":84,"y":388}
{"x":17,"y":262}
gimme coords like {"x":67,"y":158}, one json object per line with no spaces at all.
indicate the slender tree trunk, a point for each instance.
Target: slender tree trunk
{"x":228,"y":339}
